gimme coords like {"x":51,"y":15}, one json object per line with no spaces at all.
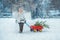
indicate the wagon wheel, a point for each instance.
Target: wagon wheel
{"x":31,"y":29}
{"x":40,"y":30}
{"x":35,"y":30}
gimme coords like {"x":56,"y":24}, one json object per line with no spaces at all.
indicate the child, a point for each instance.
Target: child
{"x":21,"y":19}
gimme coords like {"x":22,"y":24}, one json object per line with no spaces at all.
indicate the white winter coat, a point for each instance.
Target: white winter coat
{"x":20,"y":17}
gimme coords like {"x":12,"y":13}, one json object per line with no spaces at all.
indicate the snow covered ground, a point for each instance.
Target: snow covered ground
{"x":9,"y":30}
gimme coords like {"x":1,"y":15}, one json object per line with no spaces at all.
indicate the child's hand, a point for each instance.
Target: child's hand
{"x":25,"y":21}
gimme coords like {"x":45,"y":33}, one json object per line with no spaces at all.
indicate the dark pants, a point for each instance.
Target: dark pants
{"x":21,"y":27}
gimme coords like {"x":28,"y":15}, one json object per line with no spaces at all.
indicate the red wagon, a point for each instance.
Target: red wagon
{"x":36,"y":28}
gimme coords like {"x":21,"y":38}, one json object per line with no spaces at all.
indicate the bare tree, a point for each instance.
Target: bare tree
{"x":55,"y":4}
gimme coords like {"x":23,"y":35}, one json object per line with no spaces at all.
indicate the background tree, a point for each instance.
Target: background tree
{"x":55,"y":4}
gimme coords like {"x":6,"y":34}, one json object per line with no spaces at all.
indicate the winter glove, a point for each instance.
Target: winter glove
{"x":24,"y":21}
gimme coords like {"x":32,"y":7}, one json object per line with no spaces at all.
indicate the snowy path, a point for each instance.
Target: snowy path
{"x":9,"y":31}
